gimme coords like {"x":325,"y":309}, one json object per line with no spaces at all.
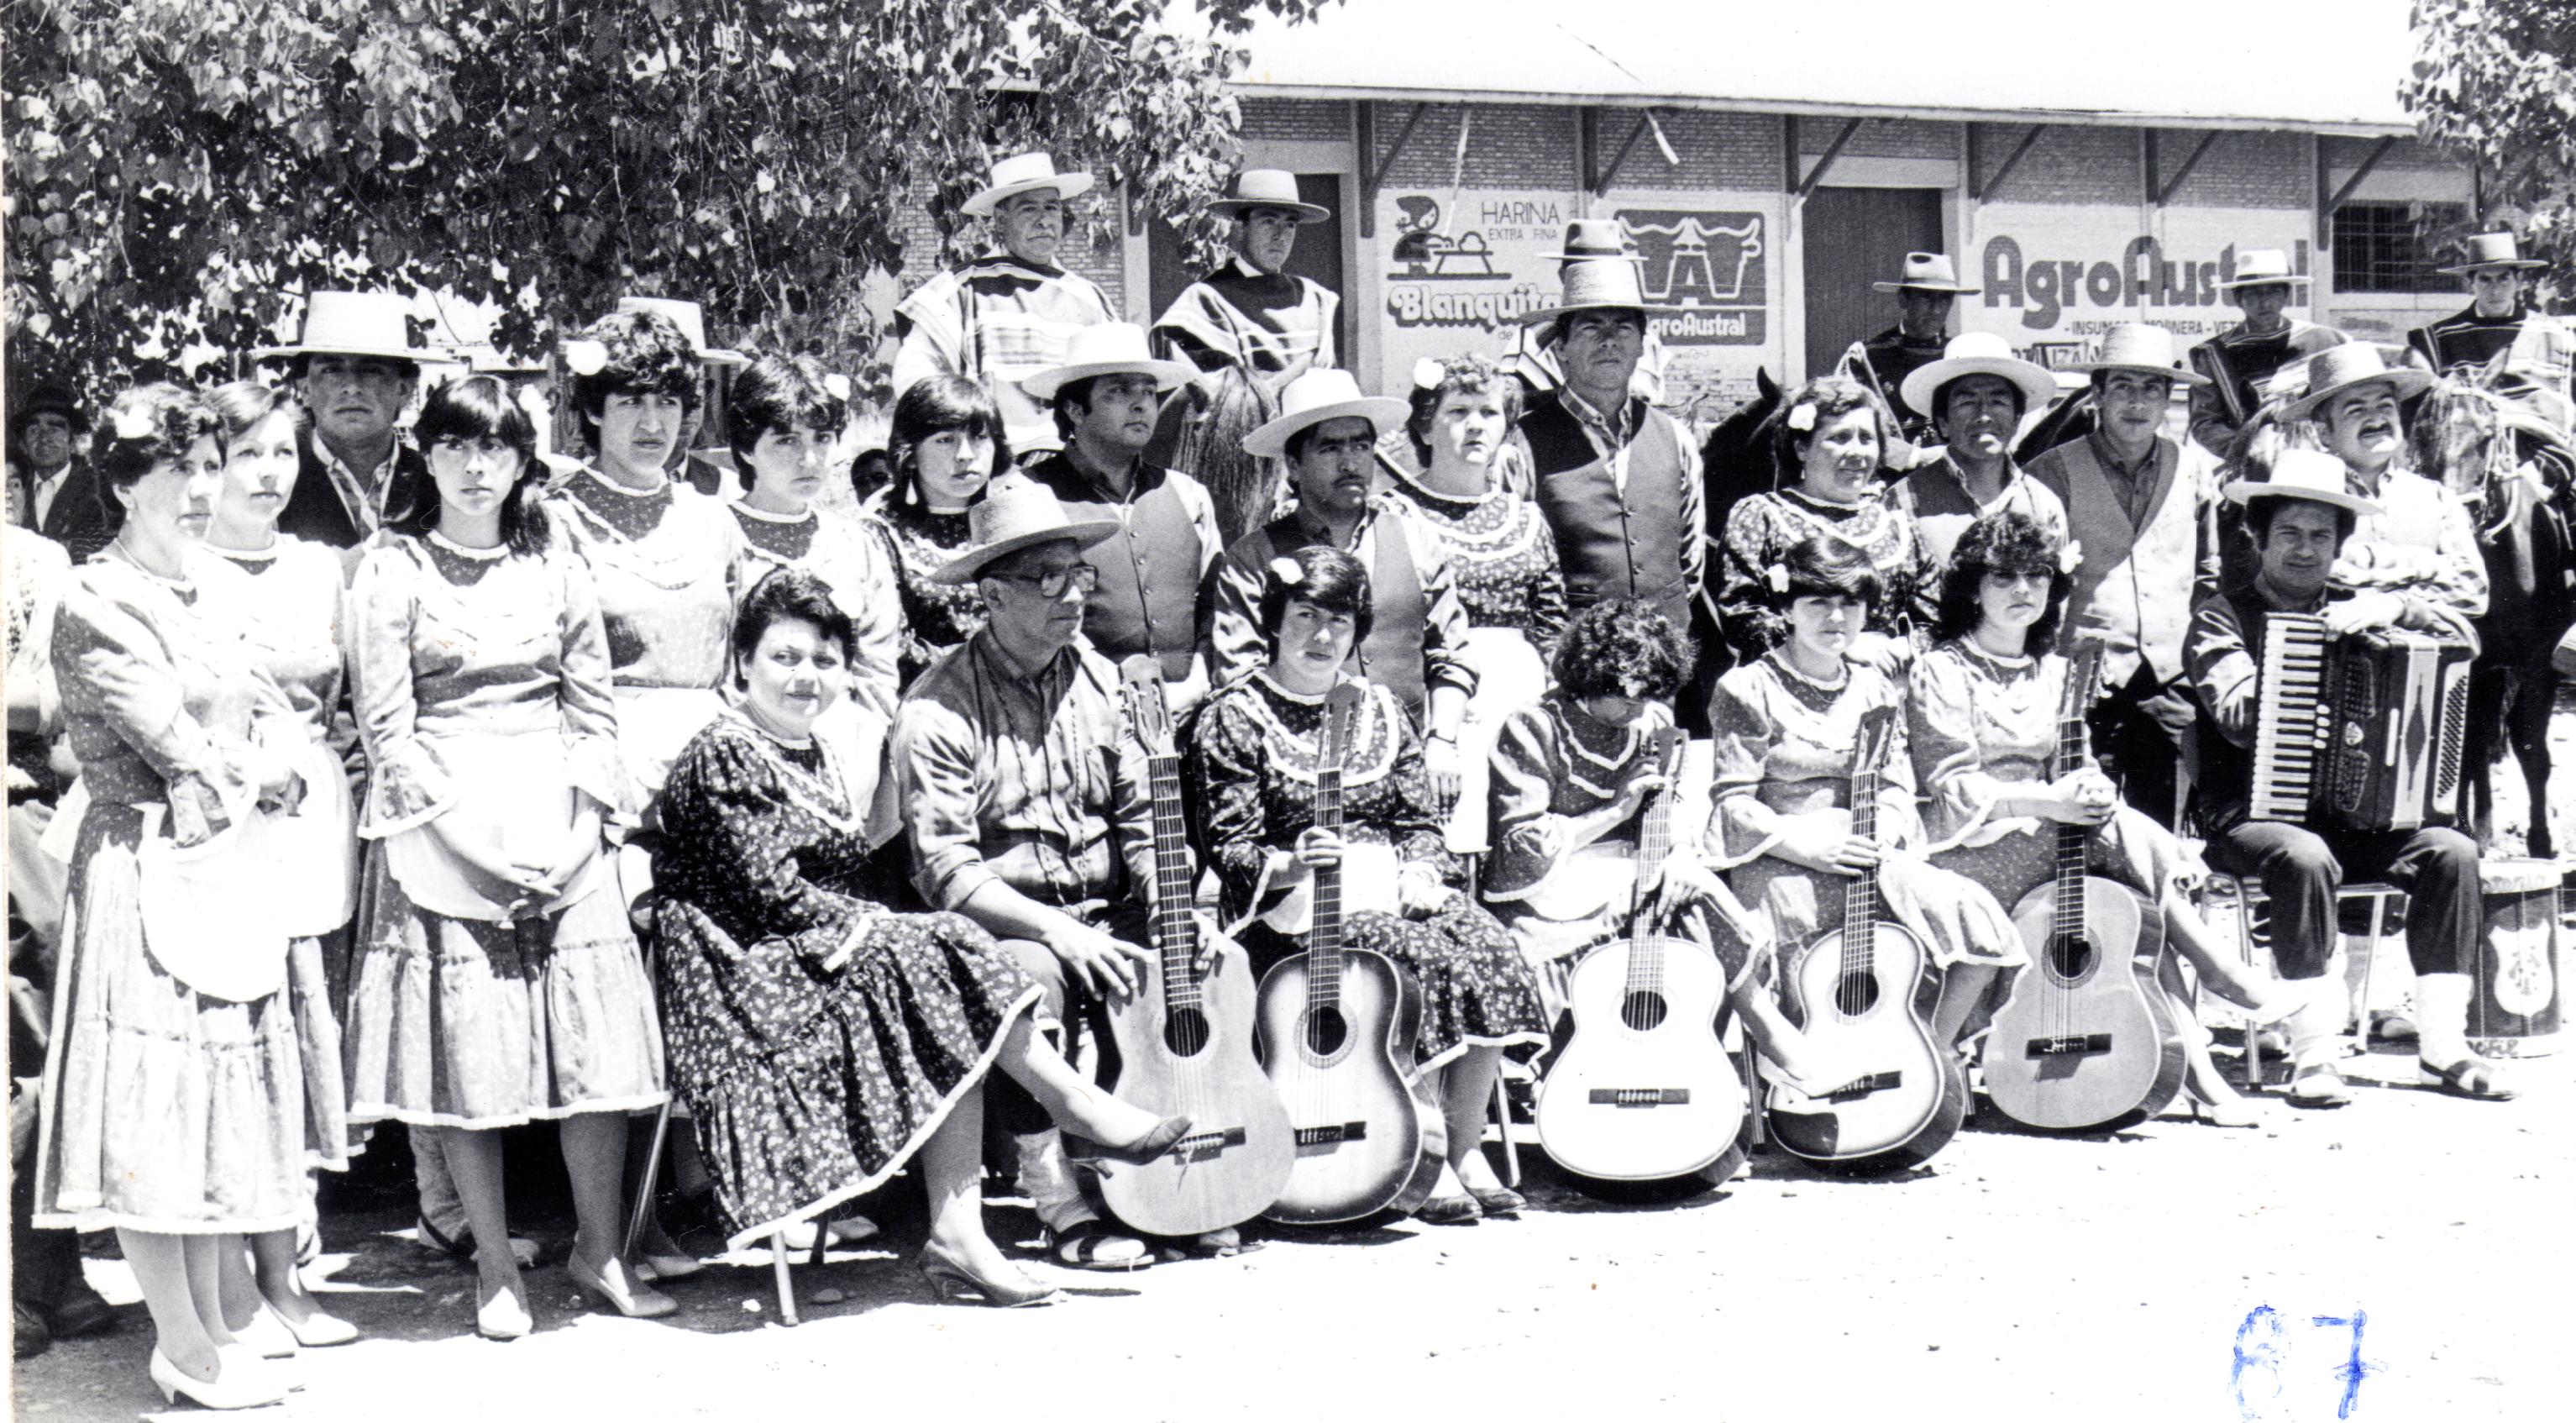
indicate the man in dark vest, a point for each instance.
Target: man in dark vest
{"x":1147,"y":598}
{"x":2235,"y":364}
{"x":2538,"y":349}
{"x":58,"y":493}
{"x":1926,"y":289}
{"x":356,"y":368}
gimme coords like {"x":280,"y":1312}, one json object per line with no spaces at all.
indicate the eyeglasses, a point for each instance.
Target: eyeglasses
{"x":1051,"y":583}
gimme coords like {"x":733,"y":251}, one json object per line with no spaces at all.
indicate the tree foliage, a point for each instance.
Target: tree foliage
{"x":179,"y":169}
{"x":2495,"y":81}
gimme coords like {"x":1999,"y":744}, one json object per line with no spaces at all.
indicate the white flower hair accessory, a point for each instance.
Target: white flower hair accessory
{"x":837,"y":386}
{"x":1429,"y":372}
{"x":135,"y":422}
{"x":1802,"y":418}
{"x":2069,"y":557}
{"x":585,"y":358}
{"x":1288,"y":571}
{"x":1778,"y":576}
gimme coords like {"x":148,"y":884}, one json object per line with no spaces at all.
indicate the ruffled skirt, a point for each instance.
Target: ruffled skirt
{"x":1956,"y":918}
{"x":2129,"y":849}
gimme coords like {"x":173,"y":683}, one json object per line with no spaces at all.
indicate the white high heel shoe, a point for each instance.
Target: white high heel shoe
{"x":232,"y":1387}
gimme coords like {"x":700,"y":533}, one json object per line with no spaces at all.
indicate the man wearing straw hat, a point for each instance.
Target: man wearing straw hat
{"x":1979,"y":393}
{"x":2301,"y":521}
{"x":1003,"y":831}
{"x":2422,"y":547}
{"x":1010,"y":313}
{"x":2237,"y":362}
{"x":1105,"y":397}
{"x":1927,"y":289}
{"x":1252,"y":313}
{"x":2139,"y":505}
{"x":357,"y":368}
{"x":2537,"y":348}
{"x":1536,"y":351}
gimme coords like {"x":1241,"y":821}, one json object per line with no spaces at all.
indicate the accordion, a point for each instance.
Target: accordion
{"x":2363,"y":731}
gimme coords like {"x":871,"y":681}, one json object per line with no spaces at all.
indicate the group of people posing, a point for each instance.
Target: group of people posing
{"x":372,"y":777}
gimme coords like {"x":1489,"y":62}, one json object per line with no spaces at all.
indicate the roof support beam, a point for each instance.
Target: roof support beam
{"x":2352,"y":184}
{"x":1983,"y":191}
{"x":1598,"y":182}
{"x":1824,"y":162}
{"x":2164,"y":190}
{"x":1373,"y":171}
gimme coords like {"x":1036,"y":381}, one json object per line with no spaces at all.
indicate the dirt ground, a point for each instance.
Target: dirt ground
{"x":2017,"y":1277}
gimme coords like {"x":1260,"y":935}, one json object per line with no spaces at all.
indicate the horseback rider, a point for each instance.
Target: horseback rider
{"x":2539,"y":360}
{"x":2238,"y":360}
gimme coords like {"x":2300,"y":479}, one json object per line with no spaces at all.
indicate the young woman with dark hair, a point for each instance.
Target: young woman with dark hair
{"x":946,"y":444}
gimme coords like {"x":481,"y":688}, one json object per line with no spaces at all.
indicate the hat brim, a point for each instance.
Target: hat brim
{"x":1066,"y":185}
{"x":2409,"y":381}
{"x":2520,"y":264}
{"x":718,"y":357}
{"x":1305,"y":213}
{"x":2277,"y":279}
{"x":1168,"y":375}
{"x":416,"y":357}
{"x":2038,"y":385}
{"x":2173,"y":373}
{"x":1551,"y":313}
{"x":2243,"y":490}
{"x":1383,"y":412}
{"x":1940,"y":288}
{"x":1593,"y":257}
{"x":965,"y":567}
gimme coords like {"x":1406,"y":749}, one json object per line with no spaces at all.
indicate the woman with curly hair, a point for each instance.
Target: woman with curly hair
{"x":1981,"y":724}
{"x":946,"y":443}
{"x":1256,"y":751}
{"x":173,"y":1104}
{"x":1825,"y":454}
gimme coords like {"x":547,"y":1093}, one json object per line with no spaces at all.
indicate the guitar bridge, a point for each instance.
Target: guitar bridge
{"x":1860,"y":1087}
{"x":1639,"y":1097}
{"x":1326,"y":1137}
{"x":2071,"y":1045}
{"x":1207,"y":1145}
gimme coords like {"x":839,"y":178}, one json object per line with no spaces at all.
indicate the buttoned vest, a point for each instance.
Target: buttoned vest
{"x":1613,"y":547}
{"x":2134,"y":585}
{"x":1148,"y":598}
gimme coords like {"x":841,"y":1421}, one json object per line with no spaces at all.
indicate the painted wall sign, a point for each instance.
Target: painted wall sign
{"x":2052,"y":279}
{"x":1715,"y":266}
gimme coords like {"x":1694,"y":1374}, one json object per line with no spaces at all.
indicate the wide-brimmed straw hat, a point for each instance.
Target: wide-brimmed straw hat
{"x":2303,"y":474}
{"x":2262,"y":267}
{"x":355,"y":324}
{"x":1591,"y":238}
{"x":2337,"y":369}
{"x":1025,"y":173}
{"x":1318,"y":396}
{"x":2136,"y":346}
{"x":2492,"y":249}
{"x":1975,"y":353}
{"x":692,"y":321}
{"x":1926,"y":272}
{"x":1599,"y":284}
{"x":1107,"y":348}
{"x":1017,"y":512}
{"x":1267,"y":188}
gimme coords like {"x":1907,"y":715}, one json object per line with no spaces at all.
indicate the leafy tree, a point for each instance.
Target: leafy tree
{"x":2495,"y":81}
{"x":178,"y":169}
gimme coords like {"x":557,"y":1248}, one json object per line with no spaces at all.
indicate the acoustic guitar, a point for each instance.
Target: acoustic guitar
{"x":1185,"y":1037}
{"x":1867,"y":989}
{"x":1338,"y":1028}
{"x":2087,"y":1039}
{"x":1643,"y":1090}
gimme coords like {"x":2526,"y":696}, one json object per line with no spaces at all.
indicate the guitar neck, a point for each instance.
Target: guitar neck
{"x":1860,"y":898}
{"x":2073,"y":841}
{"x":1324,"y":936}
{"x":1654,"y":846}
{"x":1175,"y":928}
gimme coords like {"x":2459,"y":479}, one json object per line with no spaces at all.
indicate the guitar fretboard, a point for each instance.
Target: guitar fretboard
{"x":1175,"y":928}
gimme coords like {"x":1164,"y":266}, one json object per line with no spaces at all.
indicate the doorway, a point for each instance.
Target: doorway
{"x":1317,"y":256}
{"x":1853,"y":237}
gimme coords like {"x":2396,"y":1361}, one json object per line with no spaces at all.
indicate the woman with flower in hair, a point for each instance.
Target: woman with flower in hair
{"x":1502,"y":556}
{"x":173,"y":1104}
{"x":946,"y":443}
{"x":1256,"y":749}
{"x":1981,"y":723}
{"x":1825,"y":457}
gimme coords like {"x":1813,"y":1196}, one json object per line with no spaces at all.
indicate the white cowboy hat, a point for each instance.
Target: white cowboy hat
{"x":2303,"y":474}
{"x":1267,"y":188}
{"x":1598,"y":284}
{"x":2337,"y":369}
{"x":1591,"y":238}
{"x":1107,"y":348}
{"x":2136,"y":346}
{"x":1926,"y":272}
{"x":1318,"y":396}
{"x":692,"y":322}
{"x":1025,"y":173}
{"x":1980,"y":353}
{"x":2262,"y":267}
{"x":1017,"y":512}
{"x":355,"y":324}
{"x":2491,"y":249}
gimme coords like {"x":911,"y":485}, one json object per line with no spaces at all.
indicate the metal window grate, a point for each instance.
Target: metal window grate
{"x":2388,"y":247}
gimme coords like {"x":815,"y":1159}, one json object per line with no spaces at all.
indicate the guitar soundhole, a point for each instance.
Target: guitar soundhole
{"x":1644,"y":1011}
{"x":1185,"y":1032}
{"x":1326,"y":1031}
{"x":2070,"y":956}
{"x":1856,"y":994}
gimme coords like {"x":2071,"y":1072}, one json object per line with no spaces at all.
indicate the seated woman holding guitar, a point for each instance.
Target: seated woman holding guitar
{"x":1258,"y":757}
{"x":1984,"y":712}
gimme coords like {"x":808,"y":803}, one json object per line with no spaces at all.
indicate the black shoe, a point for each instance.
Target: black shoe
{"x":33,"y":1336}
{"x":82,"y":1312}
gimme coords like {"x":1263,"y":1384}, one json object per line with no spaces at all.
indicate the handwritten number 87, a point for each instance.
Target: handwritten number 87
{"x":2262,"y":1340}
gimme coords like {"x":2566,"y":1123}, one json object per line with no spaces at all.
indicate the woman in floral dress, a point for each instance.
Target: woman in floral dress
{"x":946,"y":443}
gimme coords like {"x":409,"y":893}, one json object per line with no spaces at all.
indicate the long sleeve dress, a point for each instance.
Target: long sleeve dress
{"x":817,"y":1038}
{"x":174,"y":1083}
{"x":918,"y":543}
{"x":286,"y":602}
{"x":1764,"y":527}
{"x":1783,"y":746}
{"x":1978,"y":725}
{"x":1255,"y":750}
{"x":481,"y":683}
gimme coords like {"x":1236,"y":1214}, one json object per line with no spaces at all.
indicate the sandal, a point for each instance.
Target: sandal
{"x":2472,"y":1077}
{"x":1210,"y":1245}
{"x":1085,"y":1247}
{"x":2319,"y":1085}
{"x":1450,"y":1210}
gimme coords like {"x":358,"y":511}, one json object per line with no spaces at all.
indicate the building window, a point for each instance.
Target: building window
{"x":2389,"y":247}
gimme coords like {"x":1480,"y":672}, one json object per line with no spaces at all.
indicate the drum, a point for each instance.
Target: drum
{"x":2514,"y":1003}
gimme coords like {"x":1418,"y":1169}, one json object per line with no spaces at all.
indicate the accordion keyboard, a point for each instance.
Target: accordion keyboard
{"x":2290,"y":716}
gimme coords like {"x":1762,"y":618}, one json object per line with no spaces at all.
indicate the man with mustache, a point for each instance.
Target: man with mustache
{"x":1978,"y":393}
{"x":2139,"y":504}
{"x":2540,"y":349}
{"x":357,"y":369}
{"x":1106,"y":396}
{"x":2422,"y":547}
{"x":2302,"y":522}
{"x":1012,"y":312}
{"x":2238,"y":360}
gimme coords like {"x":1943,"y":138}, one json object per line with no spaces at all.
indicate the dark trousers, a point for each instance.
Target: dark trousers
{"x":1070,"y":1003}
{"x":2137,"y":735}
{"x":2301,"y":871}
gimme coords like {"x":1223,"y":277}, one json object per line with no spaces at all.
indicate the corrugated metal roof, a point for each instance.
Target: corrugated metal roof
{"x":2323,"y":65}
